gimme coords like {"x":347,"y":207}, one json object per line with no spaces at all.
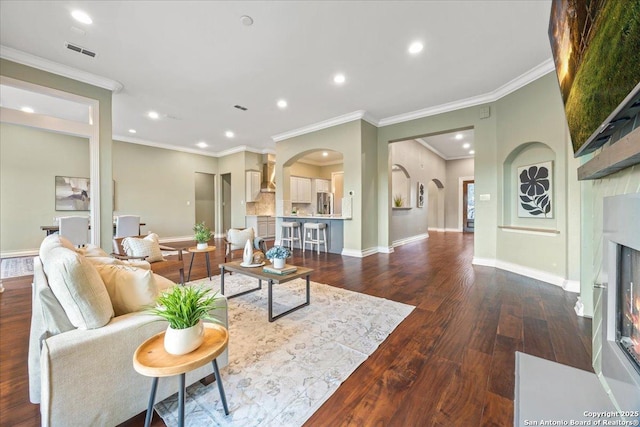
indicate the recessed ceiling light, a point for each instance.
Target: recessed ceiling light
{"x":282,"y":103}
{"x":153,"y":115}
{"x":472,"y":152}
{"x":415,"y":48}
{"x":459,"y":136}
{"x":246,"y":20}
{"x":325,"y":154}
{"x":132,"y":131}
{"x":466,"y":145}
{"x":27,"y":109}
{"x":339,"y":78}
{"x":81,"y":16}
{"x":229,"y":134}
{"x":202,"y":144}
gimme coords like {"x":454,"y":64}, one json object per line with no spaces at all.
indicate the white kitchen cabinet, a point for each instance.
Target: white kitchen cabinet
{"x":252,"y":183}
{"x":264,"y":226}
{"x":300,"y":189}
{"x":323,"y":186}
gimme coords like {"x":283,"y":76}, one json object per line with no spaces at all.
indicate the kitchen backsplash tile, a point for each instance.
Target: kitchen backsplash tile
{"x":264,"y":205}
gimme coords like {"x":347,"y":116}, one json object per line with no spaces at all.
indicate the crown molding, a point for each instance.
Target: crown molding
{"x":321,"y":164}
{"x":428,"y":146}
{"x":345,"y":118}
{"x":238,"y":149}
{"x":30,"y":60}
{"x":535,"y":73}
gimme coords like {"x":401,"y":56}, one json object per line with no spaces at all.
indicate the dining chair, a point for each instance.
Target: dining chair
{"x":75,"y":229}
{"x":127,"y":225}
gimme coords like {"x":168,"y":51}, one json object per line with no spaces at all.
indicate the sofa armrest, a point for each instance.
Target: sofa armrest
{"x":88,"y":376}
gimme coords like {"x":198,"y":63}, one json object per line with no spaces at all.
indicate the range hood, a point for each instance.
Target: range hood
{"x":268,"y":184}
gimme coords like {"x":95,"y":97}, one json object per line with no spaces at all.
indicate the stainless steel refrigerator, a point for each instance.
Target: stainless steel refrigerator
{"x":325,"y":203}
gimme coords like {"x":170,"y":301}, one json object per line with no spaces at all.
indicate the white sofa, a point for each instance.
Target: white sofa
{"x":84,"y":376}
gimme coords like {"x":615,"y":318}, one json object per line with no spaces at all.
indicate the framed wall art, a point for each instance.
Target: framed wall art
{"x":72,"y":193}
{"x":420,"y":198}
{"x":535,"y":190}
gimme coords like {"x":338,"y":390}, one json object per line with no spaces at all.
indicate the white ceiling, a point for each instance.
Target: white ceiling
{"x":192,"y":61}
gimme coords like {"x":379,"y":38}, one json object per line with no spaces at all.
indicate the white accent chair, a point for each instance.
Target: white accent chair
{"x":74,"y":229}
{"x":127,"y":225}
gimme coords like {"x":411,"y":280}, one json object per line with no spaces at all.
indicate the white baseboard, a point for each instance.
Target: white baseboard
{"x":453,"y":230}
{"x":543,"y":276}
{"x":17,"y":254}
{"x":386,"y":249}
{"x":220,"y":235}
{"x":571,"y":286}
{"x":175,"y":239}
{"x":411,"y":239}
{"x":442,"y":230}
{"x":359,"y":253}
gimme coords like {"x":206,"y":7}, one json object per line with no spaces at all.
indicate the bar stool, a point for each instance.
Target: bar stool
{"x":289,"y":233}
{"x":314,"y":228}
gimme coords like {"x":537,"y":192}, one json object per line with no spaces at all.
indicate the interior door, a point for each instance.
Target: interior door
{"x":337,"y":188}
{"x":468,"y":206}
{"x":205,"y":202}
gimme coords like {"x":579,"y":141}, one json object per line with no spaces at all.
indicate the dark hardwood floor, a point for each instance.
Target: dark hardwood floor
{"x":449,"y":363}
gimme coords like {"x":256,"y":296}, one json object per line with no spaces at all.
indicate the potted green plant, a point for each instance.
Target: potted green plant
{"x":185,"y":308}
{"x":277,"y":255}
{"x":398,"y":201}
{"x":202,"y":235}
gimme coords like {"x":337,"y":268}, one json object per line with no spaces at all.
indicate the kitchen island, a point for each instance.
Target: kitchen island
{"x":335,"y":229}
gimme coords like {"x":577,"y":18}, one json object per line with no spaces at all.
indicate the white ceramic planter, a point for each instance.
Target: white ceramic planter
{"x":183,"y":341}
{"x":278,"y":262}
{"x":247,"y":255}
{"x":201,"y":246}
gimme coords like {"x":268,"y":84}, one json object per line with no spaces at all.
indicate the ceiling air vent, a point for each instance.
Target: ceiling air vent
{"x":240,"y":107}
{"x":80,"y":49}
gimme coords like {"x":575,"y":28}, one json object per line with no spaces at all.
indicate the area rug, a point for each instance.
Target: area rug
{"x":16,"y":267}
{"x":280,"y":373}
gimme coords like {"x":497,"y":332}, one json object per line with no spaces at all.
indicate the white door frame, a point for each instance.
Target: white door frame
{"x":461,"y":180}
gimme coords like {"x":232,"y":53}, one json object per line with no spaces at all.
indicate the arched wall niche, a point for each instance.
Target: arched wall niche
{"x":400,"y":187}
{"x":525,"y":157}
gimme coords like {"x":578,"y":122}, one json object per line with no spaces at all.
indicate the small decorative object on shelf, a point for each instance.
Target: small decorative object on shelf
{"x":184,"y":307}
{"x":398,"y":201}
{"x":277,"y":255}
{"x":202,"y":235}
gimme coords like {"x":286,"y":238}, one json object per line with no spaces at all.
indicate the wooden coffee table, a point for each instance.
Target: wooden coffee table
{"x":151,"y":360}
{"x":271,"y":279}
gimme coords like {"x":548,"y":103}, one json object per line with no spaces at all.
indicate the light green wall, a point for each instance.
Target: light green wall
{"x":103,"y":96}
{"x":532,"y":119}
{"x":369,"y":200}
{"x":158,"y":185}
{"x":455,"y":169}
{"x":325,"y":171}
{"x":485,"y":168}
{"x":305,"y":169}
{"x":30,"y":159}
{"x":205,"y":190}
{"x":345,"y":138}
{"x":235,"y":164}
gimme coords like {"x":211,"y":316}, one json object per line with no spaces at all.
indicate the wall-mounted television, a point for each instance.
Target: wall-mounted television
{"x":596,"y":49}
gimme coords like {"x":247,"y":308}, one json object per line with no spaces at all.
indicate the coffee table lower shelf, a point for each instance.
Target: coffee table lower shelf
{"x":271,"y":279}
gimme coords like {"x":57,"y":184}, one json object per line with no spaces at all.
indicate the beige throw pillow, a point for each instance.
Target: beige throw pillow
{"x":149,"y":247}
{"x":96,"y":260}
{"x":130,"y":289}
{"x":91,"y":250}
{"x":76,"y":283}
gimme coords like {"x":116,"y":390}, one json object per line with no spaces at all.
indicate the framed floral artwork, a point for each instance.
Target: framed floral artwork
{"x":535,"y":190}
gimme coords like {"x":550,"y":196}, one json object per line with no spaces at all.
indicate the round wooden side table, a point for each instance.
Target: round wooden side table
{"x":194,"y":250}
{"x":151,"y":360}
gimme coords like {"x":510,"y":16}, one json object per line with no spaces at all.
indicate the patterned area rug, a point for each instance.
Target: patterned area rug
{"x":16,"y":267}
{"x":280,"y":373}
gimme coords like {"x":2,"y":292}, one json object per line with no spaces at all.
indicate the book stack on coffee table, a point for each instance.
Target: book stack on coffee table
{"x":287,"y":269}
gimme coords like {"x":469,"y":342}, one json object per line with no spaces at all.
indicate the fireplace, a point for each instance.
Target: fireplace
{"x":620,"y":302}
{"x":628,"y":302}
